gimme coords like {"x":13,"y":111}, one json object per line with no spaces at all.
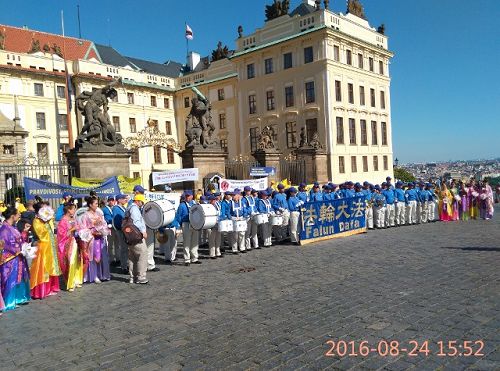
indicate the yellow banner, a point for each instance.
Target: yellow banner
{"x":126,"y":184}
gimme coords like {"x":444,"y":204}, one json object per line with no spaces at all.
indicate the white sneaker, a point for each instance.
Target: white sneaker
{"x":97,"y":280}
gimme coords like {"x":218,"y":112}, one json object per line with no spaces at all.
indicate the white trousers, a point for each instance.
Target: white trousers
{"x":400,"y":213}
{"x":379,"y":213}
{"x":423,"y":212}
{"x":214,"y":242}
{"x":251,"y":237}
{"x":411,"y":212}
{"x":266,"y":233}
{"x":431,"y":210}
{"x":390,"y":215}
{"x":369,"y":217}
{"x":294,"y":223}
{"x":150,"y":243}
{"x":237,"y":241}
{"x":170,"y":247}
{"x":190,"y":237}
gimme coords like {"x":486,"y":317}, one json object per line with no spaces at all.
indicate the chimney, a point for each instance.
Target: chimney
{"x":193,"y":59}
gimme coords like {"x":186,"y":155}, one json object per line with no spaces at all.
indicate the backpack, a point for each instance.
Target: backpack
{"x":131,"y":233}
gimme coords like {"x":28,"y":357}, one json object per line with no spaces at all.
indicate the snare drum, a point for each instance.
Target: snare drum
{"x":158,"y":214}
{"x":226,"y":226}
{"x":203,"y":216}
{"x":261,"y":219}
{"x":240,"y":225}
{"x":276,"y":219}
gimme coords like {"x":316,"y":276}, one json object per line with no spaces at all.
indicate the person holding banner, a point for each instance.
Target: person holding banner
{"x":315,"y":194}
{"x":214,"y":238}
{"x":190,"y":235}
{"x":302,"y":194}
{"x":251,"y":236}
{"x":121,"y":245}
{"x":264,"y":207}
{"x":238,"y":211}
{"x":294,"y":204}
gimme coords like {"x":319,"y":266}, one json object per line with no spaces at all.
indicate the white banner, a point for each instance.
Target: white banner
{"x":230,"y":185}
{"x":174,"y":198}
{"x":175,"y":176}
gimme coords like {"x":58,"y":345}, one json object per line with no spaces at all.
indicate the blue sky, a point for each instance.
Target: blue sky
{"x":445,"y":74}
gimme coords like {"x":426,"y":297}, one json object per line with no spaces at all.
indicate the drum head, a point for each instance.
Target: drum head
{"x":197,"y":217}
{"x":155,"y":213}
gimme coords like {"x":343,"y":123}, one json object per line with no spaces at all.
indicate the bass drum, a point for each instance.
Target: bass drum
{"x":203,"y":216}
{"x":158,"y":214}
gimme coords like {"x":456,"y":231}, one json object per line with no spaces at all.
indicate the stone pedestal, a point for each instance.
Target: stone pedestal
{"x":206,"y":160}
{"x":269,"y":158}
{"x":316,"y":164}
{"x":99,"y":161}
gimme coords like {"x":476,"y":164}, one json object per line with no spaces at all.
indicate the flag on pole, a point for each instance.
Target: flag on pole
{"x":189,"y":32}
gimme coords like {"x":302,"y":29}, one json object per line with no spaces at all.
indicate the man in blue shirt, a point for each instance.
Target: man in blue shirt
{"x":315,"y":194}
{"x":400,"y":203}
{"x":138,"y":253}
{"x":113,"y":251}
{"x":250,"y":203}
{"x":411,"y":197}
{"x":238,"y":211}
{"x":214,"y":239}
{"x":280,"y":206}
{"x":424,"y":198}
{"x":390,"y":210}
{"x":264,"y":207}
{"x":190,"y":236}
{"x":294,"y":204}
{"x":433,"y":203}
{"x":302,"y":194}
{"x":60,"y":209}
{"x":379,"y":208}
{"x":367,"y":191}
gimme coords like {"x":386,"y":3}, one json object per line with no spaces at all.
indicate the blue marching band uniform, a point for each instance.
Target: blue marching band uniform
{"x":274,"y":216}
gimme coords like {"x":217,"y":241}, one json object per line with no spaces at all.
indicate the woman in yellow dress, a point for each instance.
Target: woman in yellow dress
{"x":70,"y":260}
{"x":445,"y":201}
{"x":44,"y":271}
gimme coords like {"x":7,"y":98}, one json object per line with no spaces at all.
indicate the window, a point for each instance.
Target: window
{"x":220,"y":94}
{"x":252,"y":104}
{"x":42,"y":151}
{"x":375,"y":163}
{"x":186,"y":102}
{"x":135,"y":157}
{"x":223,"y":145}
{"x":352,"y":131}
{"x":336,"y":53}
{"x":250,"y":71}
{"x":364,"y":136}
{"x":270,"y":100}
{"x":40,"y":121}
{"x":374,"y":133}
{"x":153,"y":101}
{"x":168,"y":127}
{"x":354,"y":164}
{"x":360,"y":60}
{"x":170,"y":156}
{"x":311,"y":128}
{"x":341,"y":165}
{"x":130,"y":98}
{"x":348,"y":57}
{"x":381,"y":67}
{"x":8,"y":149}
{"x":291,"y":134}
{"x":62,"y":122}
{"x":222,"y":120}
{"x":338,"y":91}
{"x":362,"y":95}
{"x":386,"y":163}
{"x":61,"y":91}
{"x":136,"y":174}
{"x":382,"y":99}
{"x":365,"y":164}
{"x":157,"y":154}
{"x":350,"y":90}
{"x":116,"y":123}
{"x":372,"y":97}
{"x":308,"y":54}
{"x":155,"y":123}
{"x":268,"y":66}
{"x":289,"y":99}
{"x":38,"y":90}
{"x":166,"y":103}
{"x":384,"y":133}
{"x":370,"y":62}
{"x":133,"y":127}
{"x":254,"y":138}
{"x":310,"y":95}
{"x":63,"y":149}
{"x":287,"y":61}
{"x":340,"y":130}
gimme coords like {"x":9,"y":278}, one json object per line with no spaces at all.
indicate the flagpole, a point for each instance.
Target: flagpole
{"x":66,"y":91}
{"x":187,"y":41}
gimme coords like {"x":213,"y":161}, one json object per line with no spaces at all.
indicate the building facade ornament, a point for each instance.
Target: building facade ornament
{"x":151,"y":136}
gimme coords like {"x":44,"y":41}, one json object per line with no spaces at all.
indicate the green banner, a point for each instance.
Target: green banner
{"x":126,"y":184}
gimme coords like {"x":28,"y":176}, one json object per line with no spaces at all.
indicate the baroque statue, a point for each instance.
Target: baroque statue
{"x":97,"y":128}
{"x":240,"y":31}
{"x":277,"y":9}
{"x":199,"y":126}
{"x":35,"y":46}
{"x":381,"y":29}
{"x":315,"y":143}
{"x":356,"y":8}
{"x":265,"y":140}
{"x":303,"y":138}
{"x":220,"y":52}
{"x":2,"y":40}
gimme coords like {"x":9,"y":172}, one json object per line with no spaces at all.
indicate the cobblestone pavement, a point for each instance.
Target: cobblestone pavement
{"x":435,"y":282}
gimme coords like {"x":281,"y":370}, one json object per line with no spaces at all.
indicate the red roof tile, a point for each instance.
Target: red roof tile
{"x":19,"y":40}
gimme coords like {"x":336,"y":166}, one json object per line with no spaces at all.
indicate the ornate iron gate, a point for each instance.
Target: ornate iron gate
{"x":293,"y":169}
{"x":239,"y":168}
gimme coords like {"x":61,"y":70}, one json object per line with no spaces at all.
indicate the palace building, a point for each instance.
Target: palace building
{"x":308,"y":70}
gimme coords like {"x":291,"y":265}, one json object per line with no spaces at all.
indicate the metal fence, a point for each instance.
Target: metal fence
{"x":293,"y":169}
{"x":239,"y":170}
{"x":12,"y":178}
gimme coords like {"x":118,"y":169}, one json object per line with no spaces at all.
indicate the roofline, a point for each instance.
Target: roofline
{"x":209,"y":81}
{"x":46,"y":33}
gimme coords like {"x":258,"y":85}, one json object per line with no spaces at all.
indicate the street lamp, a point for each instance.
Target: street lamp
{"x":396,"y":162}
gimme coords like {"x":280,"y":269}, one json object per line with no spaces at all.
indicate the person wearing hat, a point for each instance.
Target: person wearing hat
{"x":238,"y":211}
{"x":2,"y":207}
{"x":280,"y":206}
{"x":107,"y":210}
{"x":390,"y":209}
{"x":327,"y":193}
{"x":400,"y":204}
{"x":190,"y":236}
{"x":302,"y":194}
{"x":19,"y":205}
{"x":411,"y":197}
{"x":118,"y":213}
{"x":215,"y":237}
{"x":349,"y":189}
{"x":66,"y":197}
{"x":294,"y":205}
{"x":379,"y":208}
{"x":424,"y":199}
{"x":251,"y":237}
{"x":264,"y":207}
{"x":433,"y":203}
{"x":388,"y":182}
{"x":315,"y":194}
{"x":138,"y":253}
{"x":368,"y":192}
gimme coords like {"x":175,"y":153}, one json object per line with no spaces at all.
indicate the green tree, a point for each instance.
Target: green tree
{"x":403,"y":175}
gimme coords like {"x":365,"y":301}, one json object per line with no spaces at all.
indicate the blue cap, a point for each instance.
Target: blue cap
{"x":217,"y":194}
{"x":237,"y":190}
{"x":66,"y":194}
{"x":263,"y":193}
{"x":292,"y":190}
{"x":208,"y":194}
{"x":247,"y":188}
{"x":365,"y":183}
{"x":333,"y":186}
{"x":139,"y":188}
{"x":212,"y":197}
{"x":187,"y":193}
{"x":377,"y":187}
{"x":111,"y":198}
{"x":281,"y":186}
{"x":229,"y":193}
{"x":388,"y":178}
{"x":203,"y":198}
{"x":384,"y":184}
{"x":316,"y":184}
{"x":357,"y":184}
{"x":399,"y":183}
{"x":254,"y":190}
{"x":302,"y":185}
{"x":120,"y":196}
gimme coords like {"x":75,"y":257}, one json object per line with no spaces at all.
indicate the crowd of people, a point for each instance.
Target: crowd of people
{"x":40,"y":247}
